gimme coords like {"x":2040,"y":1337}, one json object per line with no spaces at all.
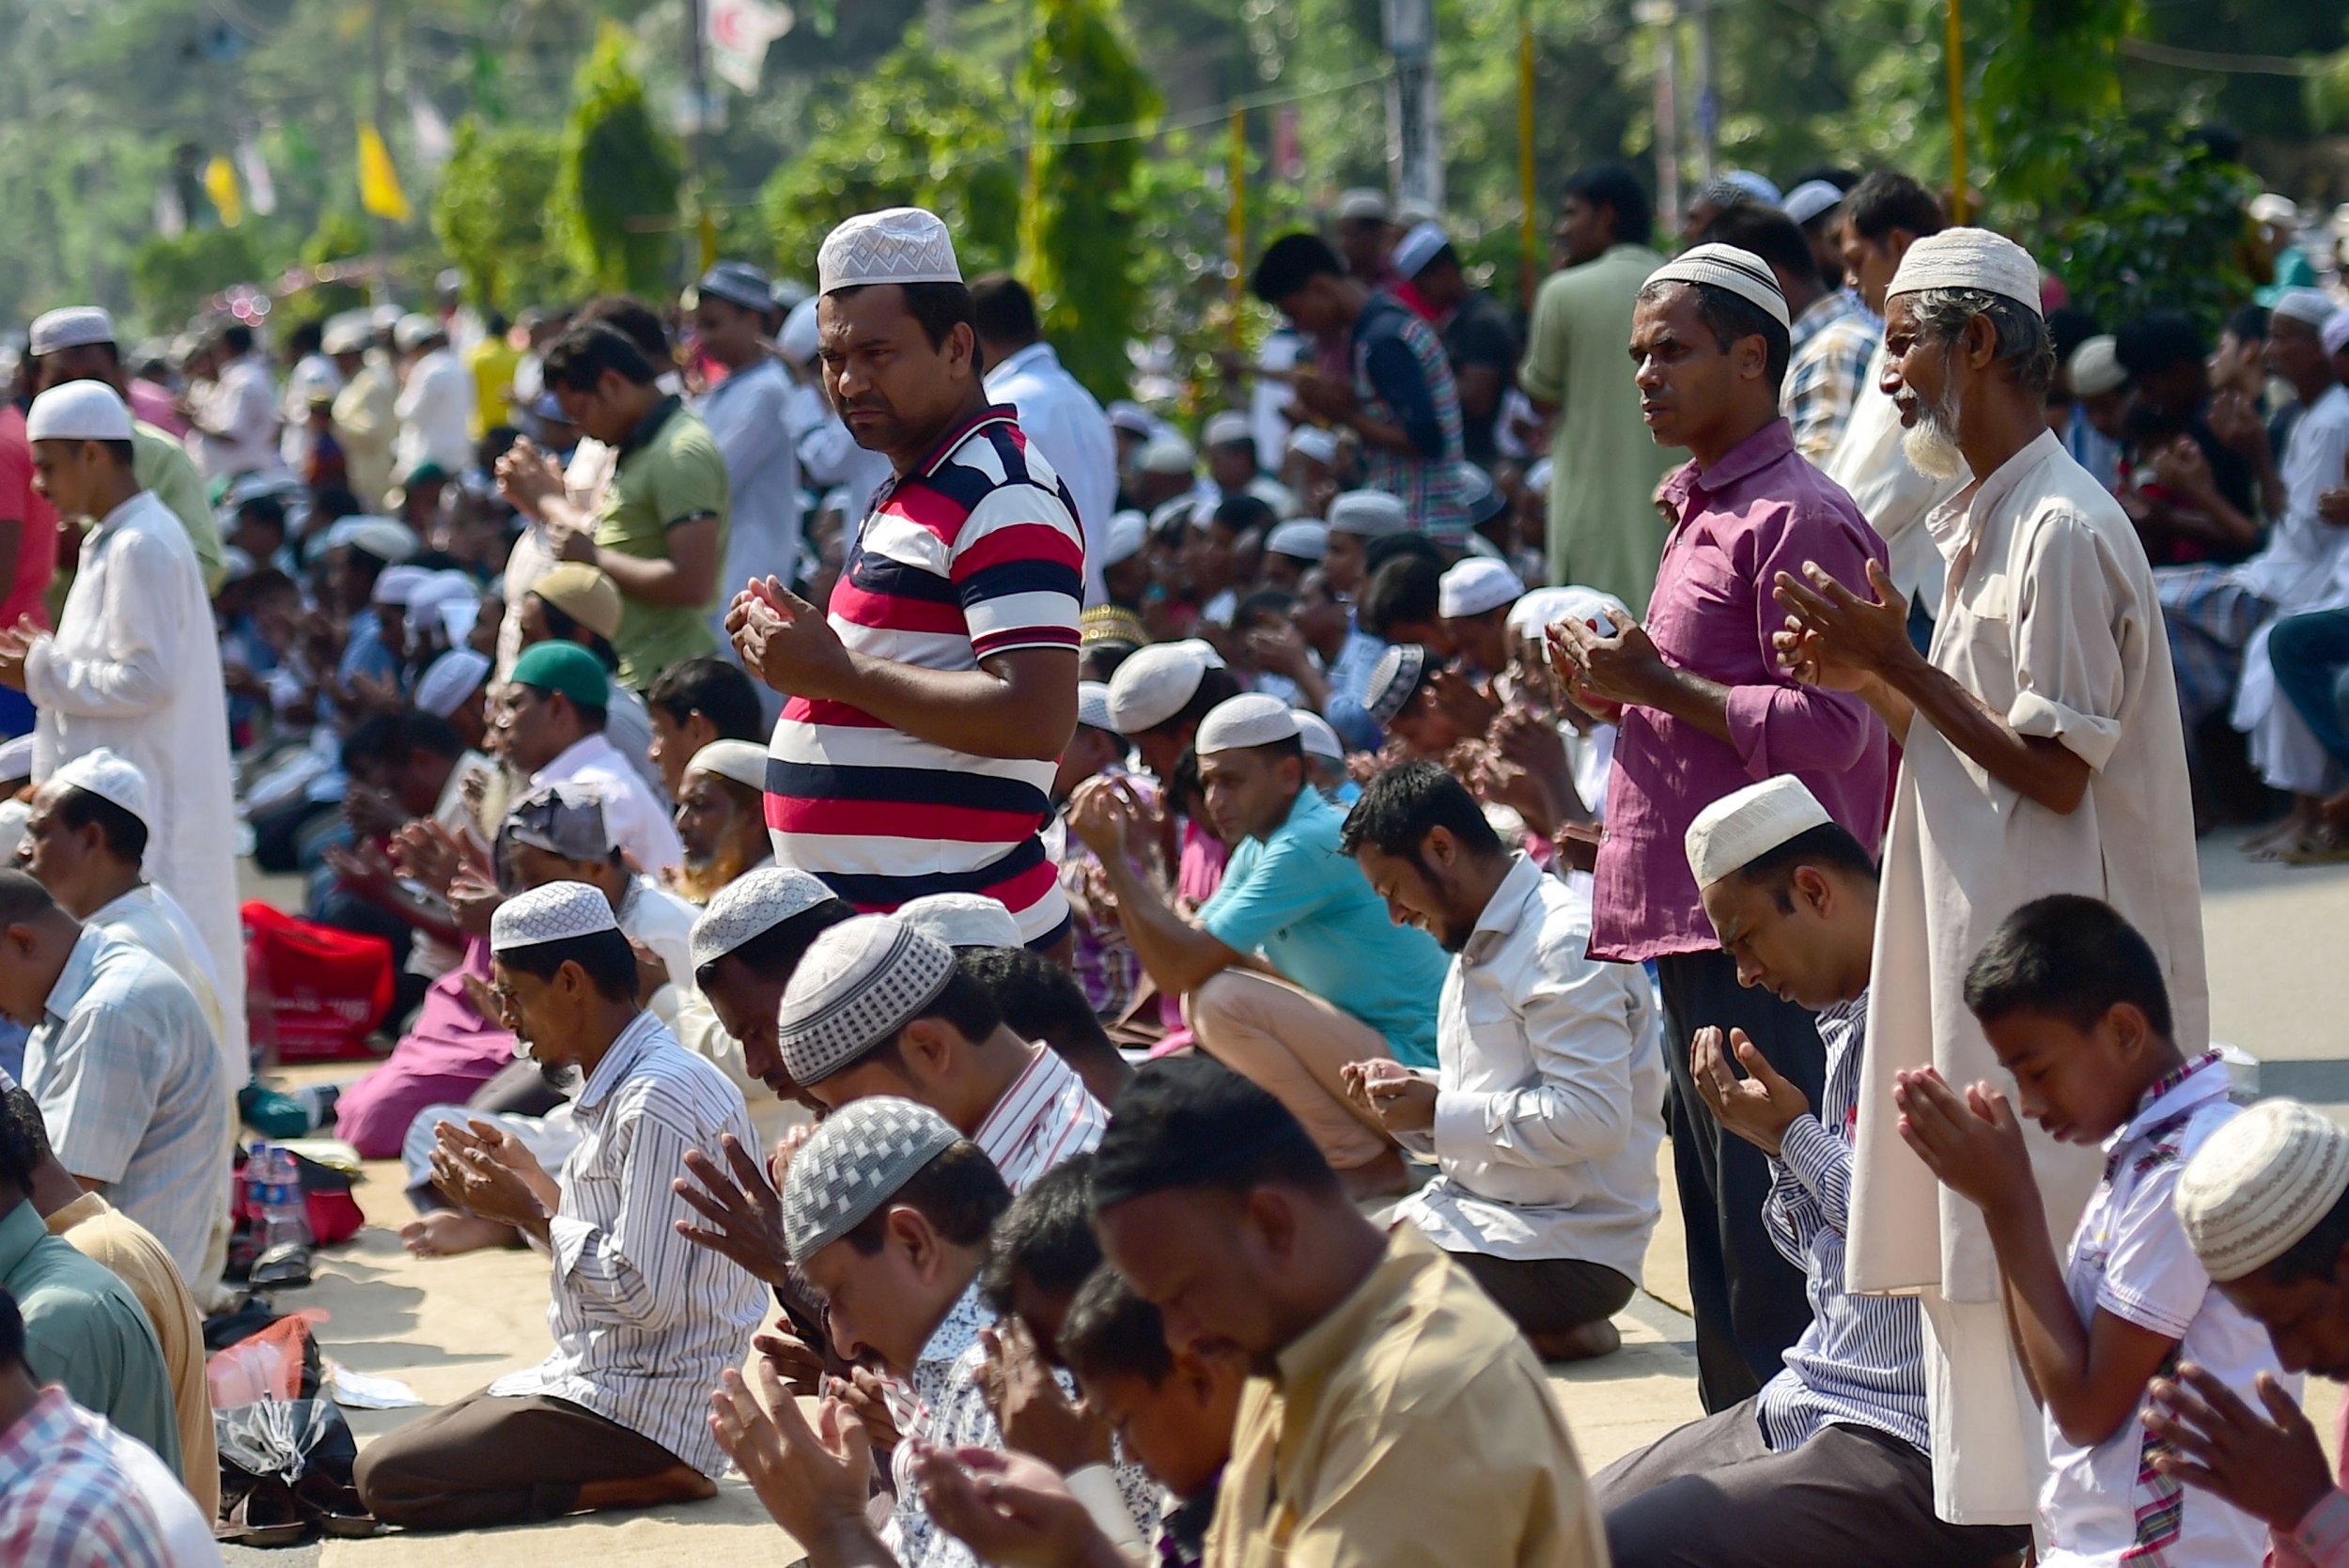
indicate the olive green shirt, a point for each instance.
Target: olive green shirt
{"x":669,"y":472}
{"x":84,"y":1328}
{"x":162,"y":465}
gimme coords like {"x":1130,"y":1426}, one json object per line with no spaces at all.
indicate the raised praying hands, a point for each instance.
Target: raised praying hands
{"x":1758,"y":1107}
{"x":2271,"y":1466}
{"x":1010,"y":1508}
{"x":16,"y":643}
{"x":1834,"y":638}
{"x":1035,"y":1415}
{"x":744,"y":1214}
{"x":491,"y":1174}
{"x":813,"y":1482}
{"x":526,"y":476}
{"x":1605,"y":671}
{"x":1973,"y":1146}
{"x":785,"y":641}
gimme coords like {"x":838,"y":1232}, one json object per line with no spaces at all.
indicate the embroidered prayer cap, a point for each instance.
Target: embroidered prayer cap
{"x":2311,"y":308}
{"x":1808,"y":200}
{"x":1368,"y":515}
{"x":738,"y":282}
{"x":564,"y":818}
{"x":1168,"y":453}
{"x":1110,"y":626}
{"x":397,"y":585}
{"x":1124,"y":537}
{"x":449,"y":679}
{"x":1237,"y":723}
{"x":1744,"y":825}
{"x":742,"y":762}
{"x":1302,"y":538}
{"x":1474,"y":587}
{"x":1968,"y":258}
{"x":1151,"y":686}
{"x":110,"y":777}
{"x":565,"y":668}
{"x":384,"y":538}
{"x":751,"y":905}
{"x":1741,"y":273}
{"x":558,"y":912}
{"x":1226,"y":428}
{"x":801,"y":334}
{"x":1394,"y":680}
{"x":1312,"y":440}
{"x":1314,"y":734}
{"x":73,"y":326}
{"x":897,"y":245}
{"x":585,"y":594}
{"x":961,"y":919}
{"x":78,"y":411}
{"x":2260,"y":1184}
{"x":858,"y":1157}
{"x":1416,"y":248}
{"x":1544,"y":608}
{"x":16,"y":759}
{"x":2094,"y":368}
{"x":1093,"y":705}
{"x":861,"y":983}
{"x":1363,"y":204}
{"x":2336,"y":331}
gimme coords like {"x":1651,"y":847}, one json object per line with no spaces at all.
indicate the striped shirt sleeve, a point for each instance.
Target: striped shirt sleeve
{"x":632,"y":1267}
{"x":1018,"y":569}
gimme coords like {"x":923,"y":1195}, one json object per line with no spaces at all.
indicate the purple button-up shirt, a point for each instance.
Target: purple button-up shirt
{"x":1759,"y":511}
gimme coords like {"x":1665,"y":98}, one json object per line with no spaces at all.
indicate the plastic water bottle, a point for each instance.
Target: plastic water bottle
{"x":273,"y":1192}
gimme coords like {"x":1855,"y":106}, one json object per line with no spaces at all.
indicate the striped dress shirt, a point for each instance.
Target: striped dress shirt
{"x":644,"y":1320}
{"x":1045,"y":1116}
{"x":1862,"y":1361}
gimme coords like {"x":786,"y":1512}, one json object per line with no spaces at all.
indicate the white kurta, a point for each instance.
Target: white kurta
{"x":1889,"y":492}
{"x":134,"y":665}
{"x":2050,"y":616}
{"x":2305,"y":567}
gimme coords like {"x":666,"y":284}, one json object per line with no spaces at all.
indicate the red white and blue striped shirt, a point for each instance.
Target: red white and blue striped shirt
{"x":976,"y":552}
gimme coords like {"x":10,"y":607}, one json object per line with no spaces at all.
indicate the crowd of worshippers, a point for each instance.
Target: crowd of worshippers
{"x":1147,"y":979}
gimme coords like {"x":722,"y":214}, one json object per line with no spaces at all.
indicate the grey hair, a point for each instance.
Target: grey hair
{"x":2023,"y":341}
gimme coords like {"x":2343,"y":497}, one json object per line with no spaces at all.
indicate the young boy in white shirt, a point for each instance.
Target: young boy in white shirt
{"x":2071,"y":999}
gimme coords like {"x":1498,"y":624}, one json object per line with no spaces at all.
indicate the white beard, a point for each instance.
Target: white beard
{"x":1930,"y":444}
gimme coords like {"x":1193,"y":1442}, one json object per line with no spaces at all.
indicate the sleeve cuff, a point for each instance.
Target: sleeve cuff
{"x":1095,"y":1487}
{"x":1748,"y":713}
{"x":37,"y":659}
{"x":2323,"y":1533}
{"x":1458,"y":1132}
{"x":2090,"y":738}
{"x":1807,"y":1149}
{"x":566,"y":1241}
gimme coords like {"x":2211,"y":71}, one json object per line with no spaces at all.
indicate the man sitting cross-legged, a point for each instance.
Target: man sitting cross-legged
{"x":1828,"y":1465}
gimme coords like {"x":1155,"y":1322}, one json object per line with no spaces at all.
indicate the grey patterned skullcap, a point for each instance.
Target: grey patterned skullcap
{"x":858,"y":1157}
{"x":1393,"y":680}
{"x":71,"y":326}
{"x":558,"y":912}
{"x":2260,"y":1185}
{"x":861,"y":983}
{"x":898,"y":244}
{"x":1740,"y":271}
{"x":751,"y":905}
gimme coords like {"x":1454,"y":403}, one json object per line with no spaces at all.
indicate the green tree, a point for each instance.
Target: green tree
{"x":2050,"y":83}
{"x":490,"y":213}
{"x":2147,"y":218}
{"x":615,"y":207}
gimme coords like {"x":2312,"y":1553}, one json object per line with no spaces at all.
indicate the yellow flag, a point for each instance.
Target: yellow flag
{"x":378,"y":182}
{"x":220,"y":184}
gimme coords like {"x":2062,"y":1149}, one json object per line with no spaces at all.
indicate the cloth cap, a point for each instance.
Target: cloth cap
{"x":15,"y":817}
{"x":1484,"y":501}
{"x":1546,"y":607}
{"x":388,"y":541}
{"x":1808,"y":200}
{"x":1475,"y":587}
{"x":2269,"y":207}
{"x":751,"y":905}
{"x":558,"y":912}
{"x":16,"y":759}
{"x":801,"y":334}
{"x":1132,"y":418}
{"x":738,"y":282}
{"x":1093,"y":705}
{"x":1368,"y":515}
{"x":1416,"y":248}
{"x":441,"y":587}
{"x":961,"y":919}
{"x":1312,"y":440}
{"x":1393,"y":680}
{"x":397,"y":585}
{"x":585,"y":594}
{"x":1205,"y":651}
{"x":1314,"y":734}
{"x":414,"y":330}
{"x":73,"y":327}
{"x":449,"y":679}
{"x":1363,"y":203}
{"x":1968,"y":258}
{"x":860,"y":1157}
{"x":2336,"y":331}
{"x":347,"y":334}
{"x":2311,"y":308}
{"x":1151,"y":686}
{"x":1110,"y":626}
{"x":78,"y":411}
{"x":861,"y":983}
{"x":1167,"y":454}
{"x":110,"y":777}
{"x":567,"y":668}
{"x":743,"y":762}
{"x":1748,"y":184}
{"x":1304,"y":538}
{"x":1742,"y":272}
{"x":1744,"y":825}
{"x":1123,"y":539}
{"x":897,"y":245}
{"x":1251,"y":718}
{"x":1226,"y":428}
{"x":564,"y":818}
{"x":2261,"y":1184}
{"x":2094,"y":368}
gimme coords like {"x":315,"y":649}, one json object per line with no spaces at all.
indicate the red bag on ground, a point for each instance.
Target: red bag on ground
{"x":312,"y":992}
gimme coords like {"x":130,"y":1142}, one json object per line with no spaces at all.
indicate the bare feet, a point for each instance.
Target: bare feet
{"x":445,"y":1232}
{"x":1577,"y":1344}
{"x":1383,"y":1177}
{"x":677,"y":1484}
{"x":2280,"y":837}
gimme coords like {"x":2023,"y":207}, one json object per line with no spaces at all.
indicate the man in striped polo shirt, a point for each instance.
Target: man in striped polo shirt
{"x":927,"y":711}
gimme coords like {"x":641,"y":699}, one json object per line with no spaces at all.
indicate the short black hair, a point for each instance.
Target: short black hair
{"x":1216,"y":685}
{"x":1403,"y":804}
{"x":383,"y":738}
{"x":1377,"y":552}
{"x":966,"y":1004}
{"x":1732,"y":318}
{"x":124,"y":834}
{"x":20,"y":1157}
{"x":236,"y":338}
{"x":960,"y":1193}
{"x":306,"y":336}
{"x":1039,"y":999}
{"x":1766,"y":232}
{"x":720,"y":692}
{"x":11,"y":1331}
{"x":1407,"y":590}
{"x":1111,"y":1331}
{"x":1829,"y":844}
{"x":18,"y":1106}
{"x":1045,"y":1237}
{"x":1289,"y":264}
{"x":2249,"y":324}
{"x":939,"y":307}
{"x":1005,"y":310}
{"x":2067,"y":956}
{"x":2068,"y":327}
{"x":1273,"y":604}
{"x":2314,"y":1256}
{"x":1241,"y":512}
{"x":776,"y":952}
{"x":1885,"y":201}
{"x":581,"y":357}
{"x":21,"y":897}
{"x":1190,"y":1121}
{"x":606,"y":956}
{"x":267,"y":510}
{"x":635,"y":320}
{"x":2150,"y":344}
{"x":1614,"y":187}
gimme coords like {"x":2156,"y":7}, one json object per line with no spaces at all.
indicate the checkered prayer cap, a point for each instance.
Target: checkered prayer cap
{"x":861,"y":983}
{"x":751,"y":905}
{"x":558,"y":912}
{"x":860,"y":1157}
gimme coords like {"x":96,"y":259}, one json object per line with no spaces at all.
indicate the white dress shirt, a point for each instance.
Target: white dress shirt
{"x":242,"y":406}
{"x":1064,"y":422}
{"x":2304,"y":567}
{"x":435,"y":412}
{"x":745,"y":413}
{"x":828,"y":454}
{"x":638,"y":823}
{"x":152,"y":919}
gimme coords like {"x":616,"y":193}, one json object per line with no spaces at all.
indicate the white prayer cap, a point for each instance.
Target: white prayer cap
{"x":1808,"y":200}
{"x":347,"y":334}
{"x":1168,"y":453}
{"x":1093,"y":705}
{"x":898,"y":244}
{"x":751,"y":905}
{"x":861,"y":1157}
{"x":2259,"y":1185}
{"x":1757,"y":186}
{"x":1544,"y":608}
{"x":73,"y":327}
{"x":1416,"y":248}
{"x":801,"y":334}
{"x":1205,"y":650}
{"x":1394,"y":680}
{"x":414,"y":330}
{"x":861,"y":983}
{"x":1742,"y":272}
{"x":1226,"y":428}
{"x":1251,"y":718}
{"x":1743,"y":825}
{"x":558,"y":912}
{"x":1151,"y":686}
{"x":2336,"y":331}
{"x":78,"y":411}
{"x":1968,"y":258}
{"x":381,"y":537}
{"x":1411,"y":211}
{"x":2311,"y":308}
{"x":384,"y":318}
{"x":2094,"y":367}
{"x":1476,"y":586}
{"x":743,"y":762}
{"x":397,"y":585}
{"x":1312,"y":440}
{"x":16,"y":759}
{"x":449,"y":679}
{"x":440,"y":588}
{"x":961,"y":919}
{"x":235,"y":564}
{"x":1124,"y":537}
{"x":1314,"y":734}
{"x":110,"y":777}
{"x":1537,"y":477}
{"x":15,"y":817}
{"x":1363,"y":203}
{"x":2269,"y":207}
{"x":1132,"y":418}
{"x":1302,"y":538}
{"x":1368,"y":515}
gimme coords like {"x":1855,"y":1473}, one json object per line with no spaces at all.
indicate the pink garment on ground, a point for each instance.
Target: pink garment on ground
{"x":451,"y":1051}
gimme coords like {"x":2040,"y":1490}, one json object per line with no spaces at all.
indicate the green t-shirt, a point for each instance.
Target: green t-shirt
{"x":84,"y":1328}
{"x":669,"y":472}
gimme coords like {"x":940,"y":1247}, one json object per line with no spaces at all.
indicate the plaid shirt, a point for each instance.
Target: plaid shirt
{"x":68,"y":1503}
{"x":1832,"y":341}
{"x":1434,"y":490}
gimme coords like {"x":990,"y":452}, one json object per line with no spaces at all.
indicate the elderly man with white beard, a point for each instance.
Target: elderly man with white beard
{"x":2042,"y":754}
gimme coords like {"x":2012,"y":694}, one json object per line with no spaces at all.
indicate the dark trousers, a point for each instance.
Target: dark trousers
{"x":1748,"y":1301}
{"x":1548,"y":1295}
{"x":2310,"y":653}
{"x":488,"y":1459}
{"x":1712,"y":1495}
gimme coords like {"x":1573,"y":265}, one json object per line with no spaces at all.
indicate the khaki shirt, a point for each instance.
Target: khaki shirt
{"x":669,"y":472}
{"x":1412,"y":1425}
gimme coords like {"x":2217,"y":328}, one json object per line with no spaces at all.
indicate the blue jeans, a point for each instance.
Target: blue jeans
{"x":2311,"y":654}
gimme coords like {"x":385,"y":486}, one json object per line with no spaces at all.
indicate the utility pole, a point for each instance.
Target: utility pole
{"x":380,"y":290}
{"x":705,"y":237}
{"x":1414,"y":161}
{"x":1664,"y":16}
{"x":1708,"y":101}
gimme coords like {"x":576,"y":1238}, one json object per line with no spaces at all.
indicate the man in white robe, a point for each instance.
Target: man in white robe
{"x":2042,"y":754}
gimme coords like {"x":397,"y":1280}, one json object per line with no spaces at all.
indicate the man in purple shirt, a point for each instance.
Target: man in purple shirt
{"x":1704,"y":709}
